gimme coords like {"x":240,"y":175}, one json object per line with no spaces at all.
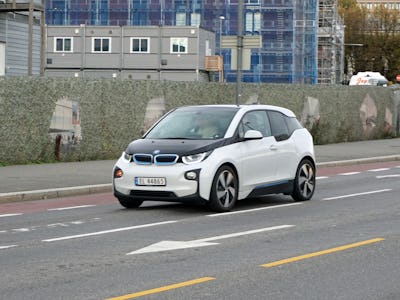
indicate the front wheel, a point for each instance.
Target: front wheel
{"x":304,"y":183}
{"x":129,"y":203}
{"x":224,"y":190}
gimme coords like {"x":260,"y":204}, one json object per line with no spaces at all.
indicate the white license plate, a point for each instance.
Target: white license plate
{"x":154,"y":181}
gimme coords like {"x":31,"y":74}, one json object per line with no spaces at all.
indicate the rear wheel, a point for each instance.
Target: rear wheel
{"x":224,"y":190}
{"x":304,"y":183}
{"x":129,"y":203}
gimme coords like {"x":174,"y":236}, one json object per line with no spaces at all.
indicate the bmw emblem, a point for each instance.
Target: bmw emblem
{"x":155,"y":152}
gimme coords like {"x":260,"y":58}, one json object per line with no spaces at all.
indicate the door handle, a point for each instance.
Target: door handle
{"x":273,"y":148}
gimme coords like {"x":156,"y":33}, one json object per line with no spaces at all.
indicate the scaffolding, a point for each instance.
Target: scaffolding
{"x":330,"y":44}
{"x":287,"y":27}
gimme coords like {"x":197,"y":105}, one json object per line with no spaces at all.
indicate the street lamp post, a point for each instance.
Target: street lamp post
{"x":221,"y":59}
{"x":239,"y":51}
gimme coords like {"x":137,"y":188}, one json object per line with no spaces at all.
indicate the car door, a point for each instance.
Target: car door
{"x":258,"y":163}
{"x":283,"y":146}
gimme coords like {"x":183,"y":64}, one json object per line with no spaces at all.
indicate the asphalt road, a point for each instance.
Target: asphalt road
{"x":28,"y":182}
{"x":343,"y":244}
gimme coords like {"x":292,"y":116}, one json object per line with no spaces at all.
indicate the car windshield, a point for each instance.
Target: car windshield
{"x":194,"y":123}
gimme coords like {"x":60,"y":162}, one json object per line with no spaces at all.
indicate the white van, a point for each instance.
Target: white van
{"x":368,"y":78}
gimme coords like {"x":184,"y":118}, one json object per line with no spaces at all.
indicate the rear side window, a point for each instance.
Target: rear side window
{"x":279,"y":127}
{"x":292,"y":124}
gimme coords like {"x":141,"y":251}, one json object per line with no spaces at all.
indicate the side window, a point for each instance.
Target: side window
{"x":278,"y":125}
{"x":255,"y":120}
{"x":292,"y":124}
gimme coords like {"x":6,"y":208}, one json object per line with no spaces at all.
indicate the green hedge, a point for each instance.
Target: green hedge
{"x":112,"y":112}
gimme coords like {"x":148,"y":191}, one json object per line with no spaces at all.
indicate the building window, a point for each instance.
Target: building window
{"x":195,"y":19}
{"x":101,"y":45}
{"x":179,"y":45}
{"x":180,"y":19}
{"x":98,"y":12}
{"x":140,"y":45}
{"x":62,"y":44}
{"x":253,"y":21}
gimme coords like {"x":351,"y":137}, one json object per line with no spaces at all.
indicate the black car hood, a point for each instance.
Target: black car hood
{"x":174,"y":146}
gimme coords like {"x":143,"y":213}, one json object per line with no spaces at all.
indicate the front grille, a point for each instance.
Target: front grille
{"x":143,"y":159}
{"x":165,"y":159}
{"x":159,"y":159}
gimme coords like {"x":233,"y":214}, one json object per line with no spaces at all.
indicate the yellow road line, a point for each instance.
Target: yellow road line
{"x":323,"y":252}
{"x":163,"y":288}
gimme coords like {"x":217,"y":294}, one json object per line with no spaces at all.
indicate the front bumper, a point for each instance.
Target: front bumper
{"x":177,"y":188}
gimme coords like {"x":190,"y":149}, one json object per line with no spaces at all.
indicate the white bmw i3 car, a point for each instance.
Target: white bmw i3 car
{"x":217,"y":154}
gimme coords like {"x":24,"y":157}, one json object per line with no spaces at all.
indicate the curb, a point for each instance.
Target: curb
{"x":105,"y":188}
{"x":55,"y":193}
{"x":359,"y":161}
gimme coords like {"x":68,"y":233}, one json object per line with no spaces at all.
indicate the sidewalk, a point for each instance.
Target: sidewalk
{"x":29,"y":182}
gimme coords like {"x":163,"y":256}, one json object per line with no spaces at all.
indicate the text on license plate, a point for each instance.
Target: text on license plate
{"x":154,"y":181}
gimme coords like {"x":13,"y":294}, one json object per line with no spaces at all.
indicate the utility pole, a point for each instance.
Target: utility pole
{"x":239,"y":51}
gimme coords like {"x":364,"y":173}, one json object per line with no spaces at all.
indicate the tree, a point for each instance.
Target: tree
{"x":378,"y":32}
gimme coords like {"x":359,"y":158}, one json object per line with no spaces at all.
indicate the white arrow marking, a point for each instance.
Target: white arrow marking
{"x":176,"y":245}
{"x":388,"y":176}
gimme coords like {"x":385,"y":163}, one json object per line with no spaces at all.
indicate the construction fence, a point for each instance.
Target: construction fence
{"x":44,"y":120}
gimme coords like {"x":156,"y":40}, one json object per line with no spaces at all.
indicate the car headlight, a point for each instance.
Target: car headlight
{"x":195,"y":158}
{"x":127,"y":157}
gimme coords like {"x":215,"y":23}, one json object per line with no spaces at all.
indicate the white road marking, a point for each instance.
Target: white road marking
{"x":388,"y":176}
{"x":176,"y":245}
{"x":79,"y":222}
{"x":355,"y":195}
{"x":7,"y":247}
{"x":321,"y":177}
{"x":9,"y":215}
{"x":349,"y":173}
{"x":107,"y":231}
{"x":251,"y":210}
{"x":379,"y":170}
{"x":53,"y":225}
{"x":57,"y":225}
{"x":70,"y":207}
{"x":21,"y":230}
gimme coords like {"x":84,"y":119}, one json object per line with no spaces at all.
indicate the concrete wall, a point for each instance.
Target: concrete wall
{"x":108,"y":114}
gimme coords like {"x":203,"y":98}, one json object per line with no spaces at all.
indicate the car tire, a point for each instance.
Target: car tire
{"x":129,"y":202}
{"x":304,"y":183}
{"x":224,"y":190}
